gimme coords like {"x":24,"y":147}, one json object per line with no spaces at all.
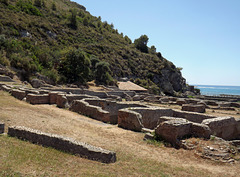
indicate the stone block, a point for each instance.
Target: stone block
{"x":193,"y":108}
{"x":64,"y":144}
{"x":200,"y":130}
{"x":181,"y":101}
{"x":150,"y":115}
{"x":223,"y":127}
{"x":130,"y":120}
{"x":95,"y":112}
{"x":192,"y":116}
{"x":38,"y":99}
{"x":19,"y":94}
{"x":62,"y":101}
{"x":173,"y":130}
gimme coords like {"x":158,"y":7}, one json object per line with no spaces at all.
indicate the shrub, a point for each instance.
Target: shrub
{"x":102,"y":73}
{"x":28,"y":8}
{"x":75,"y":66}
{"x":141,"y":43}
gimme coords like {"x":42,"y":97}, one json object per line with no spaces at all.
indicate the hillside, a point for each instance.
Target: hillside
{"x":38,"y":36}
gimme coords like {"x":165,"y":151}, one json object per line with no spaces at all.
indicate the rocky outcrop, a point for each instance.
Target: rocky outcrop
{"x":64,"y":144}
{"x":170,"y":81}
{"x":130,"y":120}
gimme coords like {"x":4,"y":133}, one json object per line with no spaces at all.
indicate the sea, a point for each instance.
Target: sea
{"x":217,"y":90}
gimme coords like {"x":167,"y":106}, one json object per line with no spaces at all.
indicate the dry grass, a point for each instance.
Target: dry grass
{"x":135,"y":157}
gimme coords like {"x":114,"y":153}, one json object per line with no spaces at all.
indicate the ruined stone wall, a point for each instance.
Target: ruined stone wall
{"x":122,"y":93}
{"x":151,"y":115}
{"x":112,"y":107}
{"x":64,"y":144}
{"x":82,"y":107}
{"x":38,"y":99}
{"x":193,"y":117}
{"x":130,"y":120}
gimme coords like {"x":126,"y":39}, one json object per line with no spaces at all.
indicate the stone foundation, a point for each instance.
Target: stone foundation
{"x":223,"y":127}
{"x":130,"y":120}
{"x":19,"y":94}
{"x":38,"y":99}
{"x":95,"y":112}
{"x":64,"y":144}
{"x":193,"y":108}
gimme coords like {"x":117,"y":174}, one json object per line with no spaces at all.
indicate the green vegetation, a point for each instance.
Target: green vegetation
{"x":39,"y":34}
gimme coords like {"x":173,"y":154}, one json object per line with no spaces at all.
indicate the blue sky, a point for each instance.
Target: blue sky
{"x":202,"y":37}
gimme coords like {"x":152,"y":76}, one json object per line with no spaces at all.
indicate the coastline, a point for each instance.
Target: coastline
{"x":217,"y":90}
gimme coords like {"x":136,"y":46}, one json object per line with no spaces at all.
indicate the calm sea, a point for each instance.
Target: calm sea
{"x":215,"y":90}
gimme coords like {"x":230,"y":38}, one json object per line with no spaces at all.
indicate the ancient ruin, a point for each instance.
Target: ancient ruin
{"x":64,"y":144}
{"x":168,"y":124}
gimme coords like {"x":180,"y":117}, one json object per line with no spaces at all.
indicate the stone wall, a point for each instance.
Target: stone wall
{"x":112,"y":107}
{"x":193,"y":117}
{"x":95,"y":112}
{"x":64,"y":144}
{"x":151,"y":115}
{"x":5,"y":79}
{"x":19,"y":94}
{"x":38,"y":99}
{"x":1,"y":128}
{"x":223,"y":127}
{"x":130,"y":120}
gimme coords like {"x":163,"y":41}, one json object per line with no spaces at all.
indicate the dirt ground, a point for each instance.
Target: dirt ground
{"x":50,"y":119}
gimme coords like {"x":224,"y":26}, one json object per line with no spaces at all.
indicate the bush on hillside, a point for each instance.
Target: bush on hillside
{"x":141,"y":43}
{"x":102,"y":73}
{"x":75,"y":66}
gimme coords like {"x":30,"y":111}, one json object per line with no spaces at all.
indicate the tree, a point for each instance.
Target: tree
{"x":153,"y":49}
{"x":73,"y":19}
{"x":102,"y":73}
{"x":141,"y":43}
{"x":75,"y":66}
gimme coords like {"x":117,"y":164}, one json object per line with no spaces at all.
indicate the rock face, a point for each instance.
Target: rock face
{"x":130,"y":120}
{"x":1,"y":128}
{"x":173,"y":130}
{"x":223,"y":127}
{"x":170,"y":81}
{"x":193,"y":108}
{"x":64,"y":144}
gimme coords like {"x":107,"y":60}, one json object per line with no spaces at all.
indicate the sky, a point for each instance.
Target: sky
{"x":201,"y":36}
